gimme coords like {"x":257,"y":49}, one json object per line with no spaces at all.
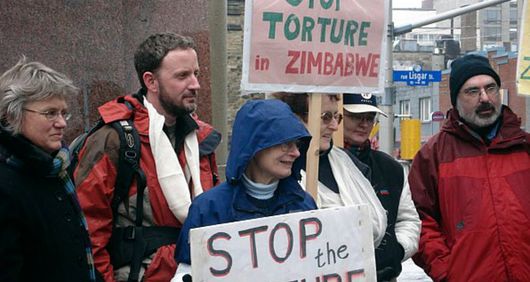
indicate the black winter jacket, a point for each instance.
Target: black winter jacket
{"x":41,"y":238}
{"x":387,"y":179}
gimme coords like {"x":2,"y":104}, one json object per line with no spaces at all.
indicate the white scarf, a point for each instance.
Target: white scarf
{"x":354,"y":189}
{"x":170,"y":175}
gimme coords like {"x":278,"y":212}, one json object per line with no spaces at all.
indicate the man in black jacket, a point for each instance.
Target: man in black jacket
{"x":389,"y":182}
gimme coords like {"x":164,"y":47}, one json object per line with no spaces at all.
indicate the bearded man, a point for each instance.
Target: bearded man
{"x":177,"y":158}
{"x":470,"y":184}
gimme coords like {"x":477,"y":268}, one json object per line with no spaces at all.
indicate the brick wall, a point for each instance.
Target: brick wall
{"x":235,"y":22}
{"x":507,"y":69}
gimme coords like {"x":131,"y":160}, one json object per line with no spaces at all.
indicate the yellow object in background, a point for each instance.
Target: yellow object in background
{"x":410,"y":138}
{"x":374,"y":131}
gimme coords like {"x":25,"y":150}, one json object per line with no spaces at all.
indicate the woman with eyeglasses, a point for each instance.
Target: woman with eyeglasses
{"x":389,"y":182}
{"x":43,"y":233}
{"x":342,"y":177}
{"x":262,"y":174}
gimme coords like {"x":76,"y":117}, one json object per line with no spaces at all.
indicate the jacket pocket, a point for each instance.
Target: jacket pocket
{"x":460,"y":204}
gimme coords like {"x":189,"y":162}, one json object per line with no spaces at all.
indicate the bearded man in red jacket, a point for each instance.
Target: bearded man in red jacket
{"x":136,"y":242}
{"x":471,"y":184}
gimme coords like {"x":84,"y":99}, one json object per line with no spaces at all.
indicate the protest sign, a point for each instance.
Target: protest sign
{"x":523,"y":59}
{"x":324,"y":46}
{"x":332,"y":244}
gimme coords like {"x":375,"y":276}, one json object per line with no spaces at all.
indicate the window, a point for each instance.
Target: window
{"x":514,"y":15}
{"x":492,"y":34}
{"x":425,"y":109}
{"x":492,"y":16}
{"x":513,"y":35}
{"x":404,"y":107}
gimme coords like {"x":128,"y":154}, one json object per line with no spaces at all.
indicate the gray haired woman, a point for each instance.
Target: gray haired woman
{"x":43,"y":233}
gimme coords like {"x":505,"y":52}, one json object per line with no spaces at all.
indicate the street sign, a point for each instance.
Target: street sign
{"x":417,"y":77}
{"x":437,"y":116}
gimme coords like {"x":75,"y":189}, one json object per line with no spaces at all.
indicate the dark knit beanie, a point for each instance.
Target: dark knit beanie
{"x":466,"y":67}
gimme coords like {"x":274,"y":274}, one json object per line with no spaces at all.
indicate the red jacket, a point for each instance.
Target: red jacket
{"x":96,"y":174}
{"x":474,"y":203}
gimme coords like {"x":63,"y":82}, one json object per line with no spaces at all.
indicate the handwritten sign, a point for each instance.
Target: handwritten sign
{"x":523,"y":59}
{"x":325,"y":46}
{"x":323,"y":245}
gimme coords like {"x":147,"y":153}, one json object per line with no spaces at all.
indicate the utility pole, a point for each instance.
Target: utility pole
{"x":386,"y":133}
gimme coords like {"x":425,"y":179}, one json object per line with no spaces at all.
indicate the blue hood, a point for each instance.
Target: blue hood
{"x":261,"y":124}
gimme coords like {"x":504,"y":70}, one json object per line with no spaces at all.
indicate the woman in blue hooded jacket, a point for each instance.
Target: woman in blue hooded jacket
{"x":262,"y":174}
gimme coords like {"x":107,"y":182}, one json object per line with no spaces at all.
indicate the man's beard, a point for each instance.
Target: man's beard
{"x":474,"y":119}
{"x":172,"y":109}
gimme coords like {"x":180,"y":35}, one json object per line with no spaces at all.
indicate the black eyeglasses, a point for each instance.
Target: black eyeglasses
{"x":366,"y":117}
{"x":328,"y":116}
{"x":491,"y":90}
{"x":52,"y":115}
{"x":291,"y":145}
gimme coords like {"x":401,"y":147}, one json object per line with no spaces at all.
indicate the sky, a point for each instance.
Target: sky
{"x":406,"y":3}
{"x":402,"y":17}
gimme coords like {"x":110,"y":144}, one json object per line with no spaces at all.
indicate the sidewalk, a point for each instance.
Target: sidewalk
{"x":412,"y":273}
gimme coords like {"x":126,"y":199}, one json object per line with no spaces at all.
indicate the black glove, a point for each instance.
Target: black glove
{"x":388,"y":259}
{"x":386,"y":274}
{"x":186,"y":278}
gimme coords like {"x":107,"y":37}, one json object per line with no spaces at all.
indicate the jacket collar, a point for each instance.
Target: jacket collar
{"x":284,"y":194}
{"x":509,"y":134}
{"x":17,"y":151}
{"x":362,"y":151}
{"x":117,"y":110}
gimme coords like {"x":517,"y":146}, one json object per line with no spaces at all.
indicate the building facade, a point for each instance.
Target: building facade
{"x":489,"y":27}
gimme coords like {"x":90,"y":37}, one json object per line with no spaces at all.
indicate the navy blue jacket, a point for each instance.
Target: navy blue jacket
{"x":259,"y":124}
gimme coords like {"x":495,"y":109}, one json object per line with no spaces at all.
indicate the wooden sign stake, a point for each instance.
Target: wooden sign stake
{"x":313,"y":125}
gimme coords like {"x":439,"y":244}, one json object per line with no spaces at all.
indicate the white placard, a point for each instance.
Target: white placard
{"x":331,"y":46}
{"x":322,"y":245}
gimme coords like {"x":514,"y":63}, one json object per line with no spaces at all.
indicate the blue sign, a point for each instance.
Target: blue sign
{"x":417,"y":77}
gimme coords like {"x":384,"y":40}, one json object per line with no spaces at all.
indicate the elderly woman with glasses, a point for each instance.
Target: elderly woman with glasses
{"x":43,"y":233}
{"x":342,"y":177}
{"x":262,"y":174}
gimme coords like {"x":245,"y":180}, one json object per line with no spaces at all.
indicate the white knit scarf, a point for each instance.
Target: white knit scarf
{"x":354,"y":189}
{"x":170,"y":175}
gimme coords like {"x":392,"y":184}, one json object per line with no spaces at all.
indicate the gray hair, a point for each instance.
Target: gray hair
{"x":152,"y":51}
{"x":28,"y":82}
